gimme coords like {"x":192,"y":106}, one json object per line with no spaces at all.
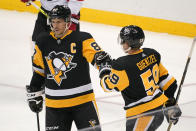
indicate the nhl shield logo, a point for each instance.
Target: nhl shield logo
{"x":59,"y":64}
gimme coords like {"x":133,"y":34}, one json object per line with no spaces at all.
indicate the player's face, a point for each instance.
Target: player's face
{"x":125,"y":46}
{"x":59,"y":26}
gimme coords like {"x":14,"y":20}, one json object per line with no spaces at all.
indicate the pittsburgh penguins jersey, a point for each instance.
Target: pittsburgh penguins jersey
{"x":74,"y":5}
{"x":144,"y":82}
{"x":64,"y":65}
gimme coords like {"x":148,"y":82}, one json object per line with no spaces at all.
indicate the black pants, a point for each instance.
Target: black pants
{"x":145,"y":123}
{"x":84,"y":116}
{"x":42,"y":26}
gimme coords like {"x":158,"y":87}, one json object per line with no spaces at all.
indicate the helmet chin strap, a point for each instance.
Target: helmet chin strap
{"x":127,"y":50}
{"x":66,"y":27}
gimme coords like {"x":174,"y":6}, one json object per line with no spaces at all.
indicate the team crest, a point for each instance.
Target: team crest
{"x":59,"y":64}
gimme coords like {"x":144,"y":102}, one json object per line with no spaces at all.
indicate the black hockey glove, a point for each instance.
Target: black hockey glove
{"x":102,"y":58}
{"x":103,"y":61}
{"x":35,"y":99}
{"x":172,"y":111}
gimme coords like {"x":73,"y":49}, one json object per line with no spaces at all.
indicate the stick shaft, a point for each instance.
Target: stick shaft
{"x":37,"y":7}
{"x":185,"y":69}
{"x":183,"y":76}
{"x":38,"y":126}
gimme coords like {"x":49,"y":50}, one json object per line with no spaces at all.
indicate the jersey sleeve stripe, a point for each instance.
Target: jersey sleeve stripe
{"x":168,"y":83}
{"x":41,"y":74}
{"x":38,"y":70}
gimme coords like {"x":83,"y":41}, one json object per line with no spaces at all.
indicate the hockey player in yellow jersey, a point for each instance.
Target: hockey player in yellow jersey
{"x":61,"y":62}
{"x":145,"y":84}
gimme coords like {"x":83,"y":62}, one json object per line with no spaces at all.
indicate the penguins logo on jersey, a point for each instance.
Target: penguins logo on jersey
{"x":59,"y":64}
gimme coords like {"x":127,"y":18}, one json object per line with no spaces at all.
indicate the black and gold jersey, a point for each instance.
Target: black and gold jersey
{"x":64,"y":64}
{"x":142,"y":80}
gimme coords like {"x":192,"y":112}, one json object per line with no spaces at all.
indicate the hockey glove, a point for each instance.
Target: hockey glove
{"x":25,"y":1}
{"x":75,"y":21}
{"x":172,"y":111}
{"x":35,"y":99}
{"x":102,"y":58}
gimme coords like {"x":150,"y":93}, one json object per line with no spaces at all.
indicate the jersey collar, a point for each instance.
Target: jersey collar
{"x":52,"y":34}
{"x":137,"y":52}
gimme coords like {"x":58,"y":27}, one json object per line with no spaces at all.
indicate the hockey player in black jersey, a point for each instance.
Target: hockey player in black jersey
{"x":61,"y":62}
{"x":145,"y":84}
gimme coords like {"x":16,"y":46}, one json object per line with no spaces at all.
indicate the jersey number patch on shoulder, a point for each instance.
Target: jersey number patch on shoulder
{"x":114,"y":79}
{"x":95,"y":46}
{"x":150,"y":79}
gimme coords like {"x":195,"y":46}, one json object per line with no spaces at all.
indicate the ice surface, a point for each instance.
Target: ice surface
{"x":16,"y":29}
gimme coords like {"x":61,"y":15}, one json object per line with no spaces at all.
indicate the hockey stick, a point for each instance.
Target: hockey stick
{"x":37,"y":7}
{"x":38,"y":126}
{"x":183,"y":76}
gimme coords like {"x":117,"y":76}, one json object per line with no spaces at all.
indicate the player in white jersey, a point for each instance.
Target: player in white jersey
{"x":41,"y":22}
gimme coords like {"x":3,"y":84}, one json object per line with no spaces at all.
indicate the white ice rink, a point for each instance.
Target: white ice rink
{"x":15,"y":72}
